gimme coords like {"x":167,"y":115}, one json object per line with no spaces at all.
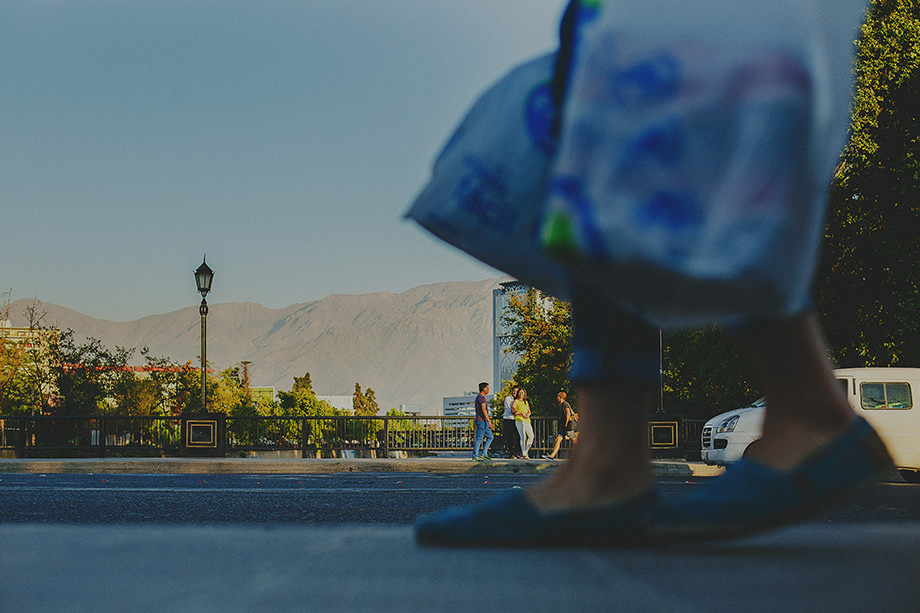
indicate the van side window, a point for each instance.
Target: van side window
{"x":844,"y":386}
{"x":893,"y":396}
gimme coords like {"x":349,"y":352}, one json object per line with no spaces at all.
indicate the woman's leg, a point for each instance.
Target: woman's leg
{"x":814,"y":452}
{"x":528,"y":431}
{"x":519,"y":426}
{"x":806,"y":406}
{"x":616,"y":374}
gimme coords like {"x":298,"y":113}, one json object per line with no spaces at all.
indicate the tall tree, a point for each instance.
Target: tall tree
{"x":14,"y":384}
{"x":705,"y":372}
{"x":304,"y":383}
{"x":301,"y":400}
{"x":364,"y":403}
{"x":541,"y":333}
{"x":81,"y":375}
{"x":868,"y":281}
{"x":25,"y":380}
{"x":371,"y":407}
{"x":227,"y":392}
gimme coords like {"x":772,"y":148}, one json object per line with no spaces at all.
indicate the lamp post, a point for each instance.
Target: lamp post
{"x":203,"y":277}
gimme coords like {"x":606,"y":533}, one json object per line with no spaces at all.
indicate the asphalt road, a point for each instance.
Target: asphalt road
{"x":367,"y":498}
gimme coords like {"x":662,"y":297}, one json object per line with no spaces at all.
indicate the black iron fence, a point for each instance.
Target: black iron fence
{"x":308,"y":437}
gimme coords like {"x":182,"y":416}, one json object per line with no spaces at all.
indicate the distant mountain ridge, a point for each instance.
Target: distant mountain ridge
{"x":413,"y":348}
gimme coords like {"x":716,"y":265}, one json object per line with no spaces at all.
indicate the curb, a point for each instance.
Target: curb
{"x":670,"y":468}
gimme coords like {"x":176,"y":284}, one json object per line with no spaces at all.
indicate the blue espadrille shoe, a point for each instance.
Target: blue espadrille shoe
{"x":512,"y":521}
{"x":752,"y":497}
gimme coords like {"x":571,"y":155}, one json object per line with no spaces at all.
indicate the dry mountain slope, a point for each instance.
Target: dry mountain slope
{"x":413,"y":347}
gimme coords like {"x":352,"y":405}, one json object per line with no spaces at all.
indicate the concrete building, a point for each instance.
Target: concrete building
{"x":459,"y":406}
{"x":265,"y":394}
{"x":504,"y":361}
{"x":345,"y":403}
{"x":411,"y":409}
{"x":29,"y":336}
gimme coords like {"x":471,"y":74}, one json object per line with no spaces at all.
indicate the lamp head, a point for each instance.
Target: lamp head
{"x":203,"y":277}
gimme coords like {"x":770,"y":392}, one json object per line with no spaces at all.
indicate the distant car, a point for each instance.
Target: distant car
{"x":883,"y":396}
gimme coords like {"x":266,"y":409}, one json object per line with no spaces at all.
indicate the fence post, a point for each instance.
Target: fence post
{"x":386,"y":437}
{"x":21,"y":443}
{"x":102,"y":436}
{"x":303,"y":438}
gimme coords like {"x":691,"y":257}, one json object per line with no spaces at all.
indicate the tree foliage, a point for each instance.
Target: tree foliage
{"x":23,"y":383}
{"x":866,"y":288}
{"x":541,"y":329}
{"x":301,"y":400}
{"x":88,"y":378}
{"x":364,"y":402}
{"x":15,"y":364}
{"x":82,"y":375}
{"x":705,"y":372}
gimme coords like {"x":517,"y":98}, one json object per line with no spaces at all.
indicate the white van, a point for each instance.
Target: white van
{"x":883,"y":396}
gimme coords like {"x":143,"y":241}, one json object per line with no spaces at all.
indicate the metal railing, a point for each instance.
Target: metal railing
{"x":338,"y":436}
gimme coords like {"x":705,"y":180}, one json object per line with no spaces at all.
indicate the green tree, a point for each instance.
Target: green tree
{"x":364,"y":403}
{"x":25,"y":378}
{"x":370,"y":403}
{"x":304,"y":383}
{"x":868,"y":282}
{"x":705,"y":372}
{"x":128,"y":393}
{"x":541,"y":329}
{"x":227,"y":392}
{"x":302,"y":401}
{"x":14,"y":382}
{"x":81,"y":374}
{"x":177,"y":387}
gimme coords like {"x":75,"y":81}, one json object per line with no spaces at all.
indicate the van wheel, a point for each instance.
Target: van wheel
{"x":911,"y":476}
{"x":747,"y":450}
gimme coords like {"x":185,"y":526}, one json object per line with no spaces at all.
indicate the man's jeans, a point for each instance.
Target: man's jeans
{"x":483,"y":431}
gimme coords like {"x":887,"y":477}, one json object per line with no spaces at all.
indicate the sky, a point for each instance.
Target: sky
{"x":284,"y":139}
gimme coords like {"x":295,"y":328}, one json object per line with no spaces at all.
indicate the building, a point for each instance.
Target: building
{"x":29,"y":336}
{"x":343,"y":403}
{"x":265,"y":394}
{"x":411,"y":409}
{"x":459,"y":406}
{"x":504,"y":361}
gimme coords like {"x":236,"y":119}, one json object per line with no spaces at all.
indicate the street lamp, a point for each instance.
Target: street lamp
{"x":203,"y":277}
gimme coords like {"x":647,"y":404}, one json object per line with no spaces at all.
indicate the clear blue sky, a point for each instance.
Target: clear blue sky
{"x":283,"y":138}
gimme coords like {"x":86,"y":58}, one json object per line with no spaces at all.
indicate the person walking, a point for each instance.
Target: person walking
{"x":521,"y":411}
{"x":566,"y":429}
{"x":509,"y":429}
{"x":483,"y":424}
{"x":814,"y":451}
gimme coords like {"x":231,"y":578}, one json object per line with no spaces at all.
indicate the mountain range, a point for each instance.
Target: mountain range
{"x":413,"y":348}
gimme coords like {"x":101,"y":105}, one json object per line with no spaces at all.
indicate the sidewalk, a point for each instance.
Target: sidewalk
{"x":380,"y":568}
{"x":675,"y":468}
{"x":813,"y":567}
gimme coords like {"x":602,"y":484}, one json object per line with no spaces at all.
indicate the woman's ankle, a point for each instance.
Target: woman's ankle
{"x":789,"y":438}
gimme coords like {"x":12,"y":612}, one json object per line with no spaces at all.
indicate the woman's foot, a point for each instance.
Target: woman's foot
{"x":603,"y":495}
{"x":751,"y":496}
{"x":611,"y":462}
{"x":814,"y":452}
{"x":511,"y":520}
